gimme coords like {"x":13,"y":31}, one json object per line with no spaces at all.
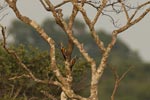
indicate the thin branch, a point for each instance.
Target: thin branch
{"x":125,"y":10}
{"x":125,"y":73}
{"x":14,"y":54}
{"x":57,"y":13}
{"x":30,"y":74}
{"x":137,"y":9}
{"x":51,"y":82}
{"x":45,"y":5}
{"x":62,"y":3}
{"x":102,"y":6}
{"x":91,"y":26}
{"x":56,"y":6}
{"x":118,"y":80}
{"x":131,"y":23}
{"x":20,"y":76}
{"x":112,"y":19}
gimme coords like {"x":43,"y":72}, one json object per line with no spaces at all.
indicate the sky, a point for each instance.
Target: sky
{"x":137,"y":37}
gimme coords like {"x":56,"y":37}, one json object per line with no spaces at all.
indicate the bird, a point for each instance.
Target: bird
{"x":72,"y":62}
{"x":63,"y":51}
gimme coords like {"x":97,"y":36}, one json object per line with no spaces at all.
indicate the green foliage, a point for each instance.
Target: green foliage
{"x":10,"y":68}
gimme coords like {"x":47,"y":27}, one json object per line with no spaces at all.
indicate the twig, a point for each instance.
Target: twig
{"x":137,"y":9}
{"x":112,"y":19}
{"x":20,"y":76}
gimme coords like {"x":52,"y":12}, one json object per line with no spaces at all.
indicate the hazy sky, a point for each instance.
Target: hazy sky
{"x":137,"y":37}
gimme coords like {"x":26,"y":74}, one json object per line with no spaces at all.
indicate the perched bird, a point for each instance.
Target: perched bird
{"x":63,"y":51}
{"x":72,"y":62}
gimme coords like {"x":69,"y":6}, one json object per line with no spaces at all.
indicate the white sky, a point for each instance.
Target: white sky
{"x":137,"y":37}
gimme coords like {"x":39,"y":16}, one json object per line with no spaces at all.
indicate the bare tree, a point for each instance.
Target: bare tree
{"x":106,"y":8}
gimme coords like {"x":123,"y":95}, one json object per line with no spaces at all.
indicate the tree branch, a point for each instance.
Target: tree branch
{"x":137,"y":9}
{"x":118,"y":80}
{"x":91,"y":26}
{"x":43,"y":34}
{"x":30,"y":74}
{"x":101,"y":7}
{"x":131,"y":23}
{"x":125,"y":10}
